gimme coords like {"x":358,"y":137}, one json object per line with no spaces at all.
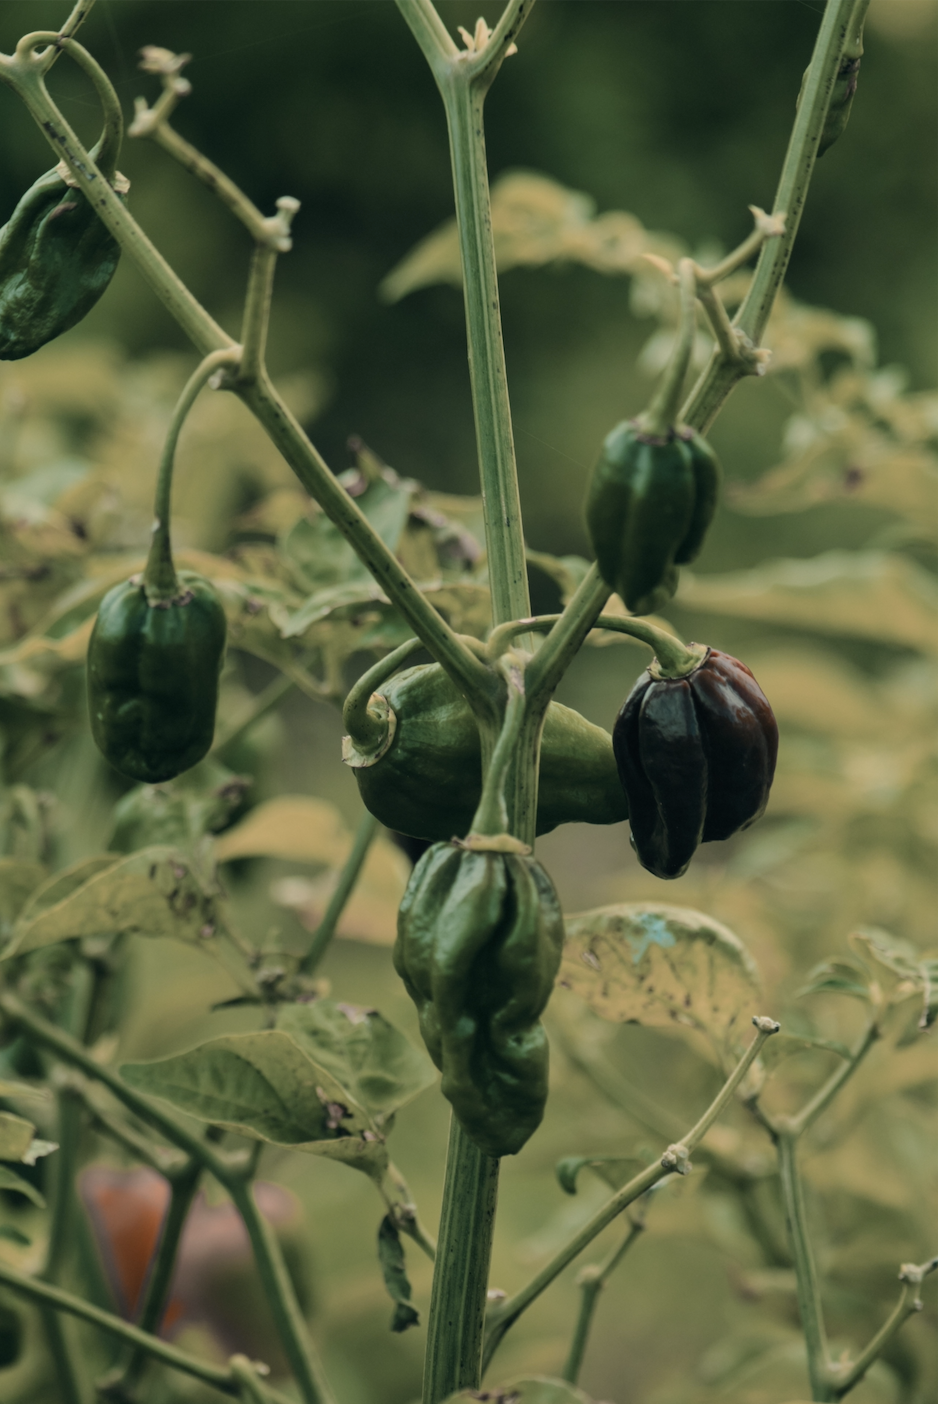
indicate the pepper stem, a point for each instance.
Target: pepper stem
{"x":159,"y":577}
{"x":659,"y":419}
{"x":491,"y":817}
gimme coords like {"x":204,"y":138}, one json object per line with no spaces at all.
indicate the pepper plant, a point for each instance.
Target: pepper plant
{"x":468,"y":757}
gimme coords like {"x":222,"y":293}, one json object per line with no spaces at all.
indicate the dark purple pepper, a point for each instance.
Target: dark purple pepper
{"x":696,"y":758}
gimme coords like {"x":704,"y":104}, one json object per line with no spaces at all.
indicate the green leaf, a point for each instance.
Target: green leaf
{"x":265,"y":1086}
{"x":18,"y":878}
{"x":9,"y":1180}
{"x":155,"y":892}
{"x":533,"y":1389}
{"x":180,"y":812}
{"x":16,"y":1134}
{"x":391,"y":1258}
{"x":784,"y":1045}
{"x":364,"y":1053}
{"x":666,"y":966}
{"x":862,"y":594}
{"x":63,"y":883}
{"x":841,"y":976}
{"x":929,"y":993}
{"x":614,"y":1170}
{"x":317,"y":553}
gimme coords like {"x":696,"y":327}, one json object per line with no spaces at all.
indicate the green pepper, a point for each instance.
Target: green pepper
{"x":153,"y":672}
{"x":653,"y":491}
{"x":157,"y":646}
{"x":56,"y":256}
{"x":651,"y":499}
{"x":479,"y":938}
{"x":422,"y":774}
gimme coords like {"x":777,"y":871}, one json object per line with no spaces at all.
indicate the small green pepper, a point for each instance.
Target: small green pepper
{"x":653,"y":491}
{"x":153,"y":672}
{"x":651,"y":500}
{"x":156,"y":650}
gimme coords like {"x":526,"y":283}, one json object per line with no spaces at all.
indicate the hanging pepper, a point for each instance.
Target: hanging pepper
{"x":156,"y":650}
{"x":56,"y":256}
{"x":413,"y":745}
{"x":696,"y":757}
{"x":654,"y":489}
{"x":479,"y":938}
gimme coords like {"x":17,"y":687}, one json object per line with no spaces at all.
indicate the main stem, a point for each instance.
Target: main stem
{"x":460,"y":1279}
{"x":504,"y":538}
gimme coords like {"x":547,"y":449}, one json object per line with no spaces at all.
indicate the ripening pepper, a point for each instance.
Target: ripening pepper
{"x":153,"y":672}
{"x":479,"y":938}
{"x":56,"y":259}
{"x":696,"y":757}
{"x":428,"y":780}
{"x":651,"y":499}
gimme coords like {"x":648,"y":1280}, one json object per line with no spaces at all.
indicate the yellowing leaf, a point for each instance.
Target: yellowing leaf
{"x":265,"y":1085}
{"x":667,"y":966}
{"x":864,"y":594}
{"x":16,"y":1136}
{"x":296,"y":827}
{"x":154,"y":892}
{"x":535,"y":221}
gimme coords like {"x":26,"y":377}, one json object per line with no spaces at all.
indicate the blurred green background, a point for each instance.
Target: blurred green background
{"x":678,"y":112}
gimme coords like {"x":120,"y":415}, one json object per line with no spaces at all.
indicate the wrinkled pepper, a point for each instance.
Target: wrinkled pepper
{"x":696,"y":757}
{"x":479,"y":938}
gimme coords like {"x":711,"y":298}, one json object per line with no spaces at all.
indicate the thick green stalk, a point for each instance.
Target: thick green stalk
{"x":723,"y":373}
{"x":460,"y":1279}
{"x":461,"y":1274}
{"x":504,"y":538}
{"x":808,"y":1288}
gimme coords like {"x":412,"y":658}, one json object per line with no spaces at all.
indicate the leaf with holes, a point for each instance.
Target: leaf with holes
{"x":380,"y":1067}
{"x":672,"y":967}
{"x":154,"y":892}
{"x":265,"y":1086}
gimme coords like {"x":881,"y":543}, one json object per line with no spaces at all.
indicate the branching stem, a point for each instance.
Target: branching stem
{"x":675,"y":1159}
{"x":58,"y":1300}
{"x":591,"y":1282}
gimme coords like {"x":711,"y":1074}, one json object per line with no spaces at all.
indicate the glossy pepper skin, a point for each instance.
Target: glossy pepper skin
{"x":696,"y":757}
{"x":153,"y":677}
{"x":478,"y":947}
{"x":428,"y":782}
{"x":56,"y":259}
{"x":650,"y":502}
